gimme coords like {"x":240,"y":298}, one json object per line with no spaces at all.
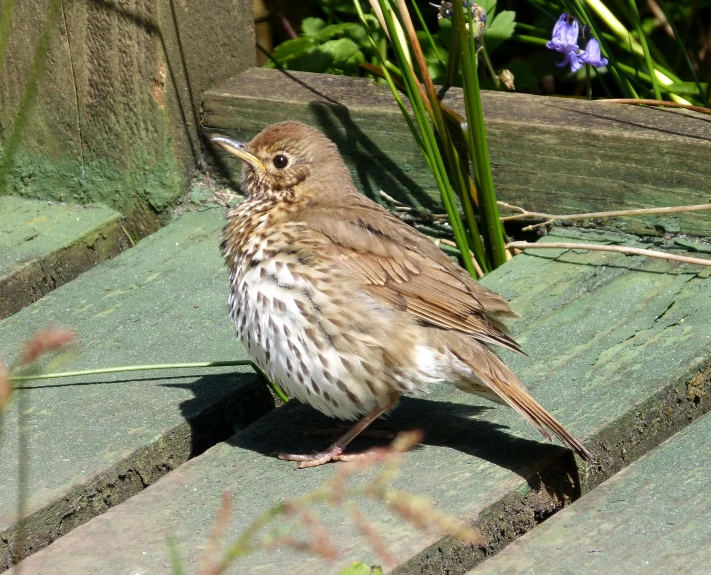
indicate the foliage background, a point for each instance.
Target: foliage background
{"x":324,"y":36}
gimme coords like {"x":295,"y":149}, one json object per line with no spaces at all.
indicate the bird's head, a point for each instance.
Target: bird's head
{"x":288,"y":161}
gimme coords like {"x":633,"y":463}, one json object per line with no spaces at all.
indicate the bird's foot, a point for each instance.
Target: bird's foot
{"x":333,"y":453}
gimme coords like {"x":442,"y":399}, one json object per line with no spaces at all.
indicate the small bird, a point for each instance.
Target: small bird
{"x":345,"y":306}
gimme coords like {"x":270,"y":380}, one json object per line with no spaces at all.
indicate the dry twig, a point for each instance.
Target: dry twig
{"x":451,"y":244}
{"x":550,"y":218}
{"x":606,"y":248}
{"x":664,"y":103}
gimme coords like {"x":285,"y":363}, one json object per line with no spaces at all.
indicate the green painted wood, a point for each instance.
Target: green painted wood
{"x":619,"y":352}
{"x":95,"y":441}
{"x":44,"y":245}
{"x":651,"y":518}
{"x":548,"y":154}
{"x":116,"y":112}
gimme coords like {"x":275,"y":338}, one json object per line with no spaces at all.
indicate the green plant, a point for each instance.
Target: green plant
{"x":413,"y":60}
{"x":322,"y":47}
{"x":432,"y":132}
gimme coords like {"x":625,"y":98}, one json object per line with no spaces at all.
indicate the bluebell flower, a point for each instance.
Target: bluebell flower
{"x":565,"y":40}
{"x":592,"y":54}
{"x":565,"y":34}
{"x":571,"y":57}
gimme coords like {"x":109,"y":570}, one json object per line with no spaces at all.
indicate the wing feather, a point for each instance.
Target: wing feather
{"x":402,"y":267}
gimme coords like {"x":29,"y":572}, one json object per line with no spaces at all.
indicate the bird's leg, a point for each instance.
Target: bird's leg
{"x":335,"y":452}
{"x":336,"y":432}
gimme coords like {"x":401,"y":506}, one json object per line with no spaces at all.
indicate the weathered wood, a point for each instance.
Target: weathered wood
{"x":95,"y":441}
{"x":652,"y":517}
{"x":619,"y":352}
{"x":43,"y":246}
{"x":116,"y":116}
{"x":551,"y":155}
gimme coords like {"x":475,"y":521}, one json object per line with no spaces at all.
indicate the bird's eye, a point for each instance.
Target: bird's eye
{"x":280,"y":161}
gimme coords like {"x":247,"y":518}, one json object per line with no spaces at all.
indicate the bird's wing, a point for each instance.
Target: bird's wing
{"x":405,"y":269}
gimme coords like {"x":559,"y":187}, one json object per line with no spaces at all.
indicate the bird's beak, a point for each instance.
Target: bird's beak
{"x":237,"y":149}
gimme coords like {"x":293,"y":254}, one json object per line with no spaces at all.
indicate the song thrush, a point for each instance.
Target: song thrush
{"x":345,"y":306}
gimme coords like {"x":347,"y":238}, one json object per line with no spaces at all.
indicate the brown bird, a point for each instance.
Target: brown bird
{"x":345,"y":306}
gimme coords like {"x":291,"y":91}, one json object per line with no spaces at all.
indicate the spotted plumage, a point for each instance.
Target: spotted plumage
{"x":343,"y":305}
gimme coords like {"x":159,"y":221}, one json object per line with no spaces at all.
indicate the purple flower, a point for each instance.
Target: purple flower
{"x":565,"y":40}
{"x":565,"y":34}
{"x":592,"y":54}
{"x":571,"y":57}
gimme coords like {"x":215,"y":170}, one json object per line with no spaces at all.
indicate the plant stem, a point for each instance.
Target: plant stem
{"x":150,"y":367}
{"x":389,"y":79}
{"x":426,"y":30}
{"x":123,"y":368}
{"x":489,"y":66}
{"x":432,"y":153}
{"x":458,"y":173}
{"x":493,"y":230}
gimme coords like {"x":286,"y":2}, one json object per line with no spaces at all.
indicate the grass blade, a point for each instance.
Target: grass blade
{"x":645,"y":48}
{"x":489,"y":211}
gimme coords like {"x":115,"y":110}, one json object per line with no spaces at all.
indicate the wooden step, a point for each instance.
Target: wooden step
{"x":46,"y":244}
{"x":651,"y":518}
{"x":95,"y":441}
{"x":619,"y":351}
{"x":548,"y":154}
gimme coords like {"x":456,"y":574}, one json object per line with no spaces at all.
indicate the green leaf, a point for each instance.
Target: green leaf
{"x":358,"y":35}
{"x":351,"y":66}
{"x":311,"y":26}
{"x":291,"y":49}
{"x":358,"y":568}
{"x":502,"y":28}
{"x":335,"y":56}
{"x":330,"y":7}
{"x":312,"y":60}
{"x":340,"y":50}
{"x":334,"y":29}
{"x":445,"y":32}
{"x":489,"y":6}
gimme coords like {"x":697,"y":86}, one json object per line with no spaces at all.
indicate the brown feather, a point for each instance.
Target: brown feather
{"x":490,"y":371}
{"x":380,"y":249}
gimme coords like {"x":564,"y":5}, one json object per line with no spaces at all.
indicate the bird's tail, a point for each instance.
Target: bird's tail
{"x":490,"y":374}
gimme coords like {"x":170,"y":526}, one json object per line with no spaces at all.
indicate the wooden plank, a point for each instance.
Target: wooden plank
{"x":548,"y":154}
{"x":45,"y":245}
{"x":619,"y":351}
{"x":117,"y":108}
{"x":652,"y":517}
{"x":95,"y":441}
